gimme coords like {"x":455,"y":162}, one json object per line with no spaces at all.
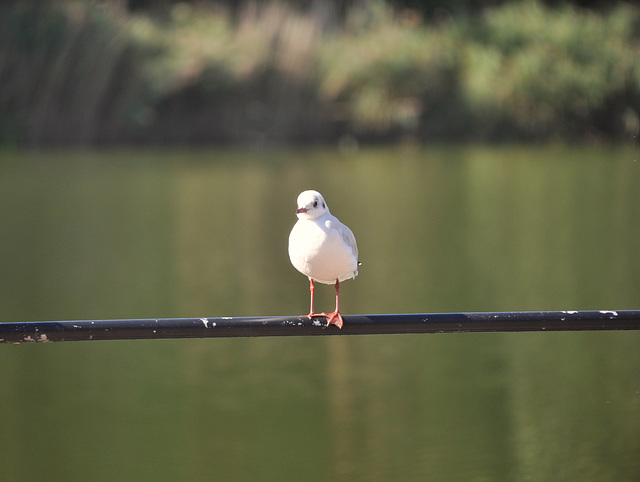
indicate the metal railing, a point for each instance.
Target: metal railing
{"x":85,"y":330}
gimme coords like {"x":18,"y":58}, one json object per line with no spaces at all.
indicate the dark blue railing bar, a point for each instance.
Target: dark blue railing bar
{"x":45,"y":331}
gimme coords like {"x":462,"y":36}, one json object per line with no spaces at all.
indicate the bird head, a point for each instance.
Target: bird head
{"x":311,"y":205}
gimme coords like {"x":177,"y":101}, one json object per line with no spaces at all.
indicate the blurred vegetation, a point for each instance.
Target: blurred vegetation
{"x":106,"y":72}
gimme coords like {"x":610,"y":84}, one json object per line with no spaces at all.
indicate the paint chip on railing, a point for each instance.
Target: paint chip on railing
{"x":38,"y":339}
{"x":605,"y":312}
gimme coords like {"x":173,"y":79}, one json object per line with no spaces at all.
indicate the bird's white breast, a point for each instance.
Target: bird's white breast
{"x":319,"y":249}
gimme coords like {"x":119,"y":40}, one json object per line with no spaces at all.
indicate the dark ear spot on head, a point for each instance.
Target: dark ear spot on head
{"x":323,"y":205}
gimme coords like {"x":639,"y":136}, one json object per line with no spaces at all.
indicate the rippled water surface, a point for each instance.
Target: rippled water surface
{"x":191,"y":233}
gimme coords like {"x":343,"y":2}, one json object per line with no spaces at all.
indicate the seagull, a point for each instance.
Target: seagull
{"x":322,"y":248}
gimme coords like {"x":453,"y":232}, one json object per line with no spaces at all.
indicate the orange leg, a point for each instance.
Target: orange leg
{"x":312,"y":289}
{"x":335,"y":317}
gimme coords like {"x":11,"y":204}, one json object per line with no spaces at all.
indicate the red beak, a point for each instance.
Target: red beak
{"x":301,"y":210}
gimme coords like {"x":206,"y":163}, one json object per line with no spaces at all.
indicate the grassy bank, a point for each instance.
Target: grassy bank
{"x":88,"y":73}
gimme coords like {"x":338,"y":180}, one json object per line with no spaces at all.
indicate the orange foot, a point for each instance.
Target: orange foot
{"x":334,"y":318}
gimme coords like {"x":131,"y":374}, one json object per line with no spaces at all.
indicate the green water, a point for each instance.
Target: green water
{"x":181,"y":233}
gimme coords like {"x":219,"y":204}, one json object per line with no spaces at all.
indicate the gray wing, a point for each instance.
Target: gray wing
{"x":345,"y":233}
{"x":349,"y":238}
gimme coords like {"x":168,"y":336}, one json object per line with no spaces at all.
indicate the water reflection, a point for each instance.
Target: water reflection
{"x":203,"y":233}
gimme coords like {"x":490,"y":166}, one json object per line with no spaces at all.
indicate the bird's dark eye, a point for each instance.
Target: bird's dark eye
{"x":315,"y":204}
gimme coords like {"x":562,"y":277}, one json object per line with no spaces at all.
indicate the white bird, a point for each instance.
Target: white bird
{"x":322,"y":248}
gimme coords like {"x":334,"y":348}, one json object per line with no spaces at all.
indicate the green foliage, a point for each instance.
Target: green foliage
{"x":85,"y":72}
{"x":386,"y":72}
{"x":67,"y":74}
{"x":553,"y":71}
